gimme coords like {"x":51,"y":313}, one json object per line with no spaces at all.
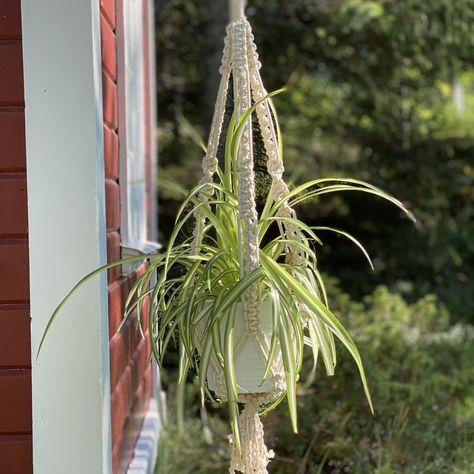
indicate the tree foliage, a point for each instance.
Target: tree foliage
{"x":379,"y":90}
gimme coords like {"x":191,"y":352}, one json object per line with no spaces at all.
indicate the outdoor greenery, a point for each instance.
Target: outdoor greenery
{"x":382,"y":91}
{"x":371,"y":94}
{"x":201,"y":283}
{"x":422,"y":380}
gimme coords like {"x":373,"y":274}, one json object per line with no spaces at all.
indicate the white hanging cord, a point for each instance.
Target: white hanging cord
{"x":209,"y":162}
{"x":255,"y":455}
{"x":236,"y":10}
{"x":241,"y":60}
{"x":248,"y":216}
{"x":275,"y":166}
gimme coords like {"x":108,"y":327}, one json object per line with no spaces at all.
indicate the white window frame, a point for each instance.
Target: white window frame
{"x":133,"y":167}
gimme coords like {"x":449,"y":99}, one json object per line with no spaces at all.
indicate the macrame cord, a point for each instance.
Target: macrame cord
{"x":240,"y":59}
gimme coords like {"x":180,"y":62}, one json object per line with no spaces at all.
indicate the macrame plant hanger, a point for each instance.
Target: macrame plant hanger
{"x":240,"y":61}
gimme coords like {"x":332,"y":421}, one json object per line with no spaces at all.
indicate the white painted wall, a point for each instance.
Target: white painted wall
{"x":71,"y":393}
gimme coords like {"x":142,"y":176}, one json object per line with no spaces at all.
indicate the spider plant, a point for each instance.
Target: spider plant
{"x":202,"y":289}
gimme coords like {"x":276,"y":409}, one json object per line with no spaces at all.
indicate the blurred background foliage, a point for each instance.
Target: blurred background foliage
{"x":421,"y":377}
{"x":381,"y":91}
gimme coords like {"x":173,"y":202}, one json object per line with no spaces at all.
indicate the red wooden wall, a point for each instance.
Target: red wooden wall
{"x":15,"y":358}
{"x":130,"y":370}
{"x":131,"y":376}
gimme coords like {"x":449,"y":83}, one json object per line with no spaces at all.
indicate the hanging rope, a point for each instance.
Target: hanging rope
{"x":236,"y":10}
{"x":240,"y":59}
{"x":255,"y":455}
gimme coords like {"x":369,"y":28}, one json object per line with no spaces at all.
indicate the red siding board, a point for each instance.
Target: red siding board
{"x":15,"y":401}
{"x":108,"y":8}
{"x":10,"y":19}
{"x":131,"y":381}
{"x":110,"y":101}
{"x":15,"y":349}
{"x":14,"y":271}
{"x":118,"y":292}
{"x":13,"y":209}
{"x":112,"y":203}
{"x":124,"y":393}
{"x":109,"y":56}
{"x":123,"y":347}
{"x":15,"y":358}
{"x":124,"y":446}
{"x":116,"y":301}
{"x":16,"y":454}
{"x":11,"y":78}
{"x":113,"y":253}
{"x":12,"y":139}
{"x":111,"y":153}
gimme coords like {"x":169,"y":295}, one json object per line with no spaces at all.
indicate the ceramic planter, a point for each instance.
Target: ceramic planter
{"x":249,"y":360}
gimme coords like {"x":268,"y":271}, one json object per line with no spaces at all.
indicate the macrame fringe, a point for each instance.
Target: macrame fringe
{"x":255,"y":456}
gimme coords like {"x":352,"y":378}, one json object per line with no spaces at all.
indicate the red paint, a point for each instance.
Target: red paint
{"x":110,"y":101}
{"x":116,"y":301}
{"x":123,"y":448}
{"x":112,"y":203}
{"x":13,"y":209}
{"x":118,"y":292}
{"x":124,"y":392}
{"x":113,"y":254}
{"x":11,"y":78}
{"x":111,"y":153}
{"x":10,"y":19}
{"x":107,"y":7}
{"x":109,"y":55}
{"x":129,"y":353}
{"x":15,"y":358}
{"x":15,"y":347}
{"x":16,"y":454}
{"x":15,"y":401}
{"x":123,"y":347}
{"x":14,"y":285}
{"x":12,"y":139}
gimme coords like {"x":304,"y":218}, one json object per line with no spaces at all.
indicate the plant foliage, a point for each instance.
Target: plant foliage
{"x":203,"y":288}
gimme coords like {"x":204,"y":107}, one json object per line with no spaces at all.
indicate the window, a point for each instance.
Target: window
{"x":136,"y":204}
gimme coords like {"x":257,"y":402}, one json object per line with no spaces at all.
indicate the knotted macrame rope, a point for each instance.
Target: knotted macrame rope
{"x":255,"y":455}
{"x":240,"y":59}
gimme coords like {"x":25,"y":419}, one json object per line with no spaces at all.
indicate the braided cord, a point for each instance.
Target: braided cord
{"x":209,"y":162}
{"x":275,"y":166}
{"x":248,"y":217}
{"x":240,"y":59}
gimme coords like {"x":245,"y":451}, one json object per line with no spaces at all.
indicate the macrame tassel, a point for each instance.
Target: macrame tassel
{"x":255,"y":455}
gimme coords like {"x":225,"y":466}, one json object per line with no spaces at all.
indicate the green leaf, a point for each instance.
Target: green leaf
{"x":351,"y":238}
{"x":323,"y":313}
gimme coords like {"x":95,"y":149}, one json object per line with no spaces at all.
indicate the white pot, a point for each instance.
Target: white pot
{"x":249,"y":361}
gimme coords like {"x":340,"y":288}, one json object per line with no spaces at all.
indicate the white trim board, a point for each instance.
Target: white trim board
{"x":153,"y":106}
{"x":130,"y":71}
{"x":146,"y":448}
{"x":66,"y":212}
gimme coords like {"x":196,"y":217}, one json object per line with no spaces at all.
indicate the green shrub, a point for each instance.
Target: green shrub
{"x":421,"y":375}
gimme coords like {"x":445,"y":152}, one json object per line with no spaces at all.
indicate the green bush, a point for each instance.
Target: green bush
{"x":421,"y":376}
